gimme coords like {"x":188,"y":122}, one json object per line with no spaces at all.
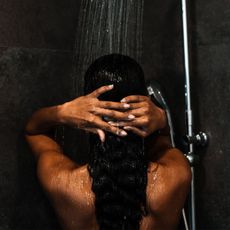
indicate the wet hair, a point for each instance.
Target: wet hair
{"x":118,"y":166}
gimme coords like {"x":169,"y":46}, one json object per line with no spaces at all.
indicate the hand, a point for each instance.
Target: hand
{"x":86,"y":113}
{"x":148,"y":117}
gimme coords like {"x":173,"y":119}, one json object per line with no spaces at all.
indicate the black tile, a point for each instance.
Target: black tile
{"x":210,"y":91}
{"x":38,"y":24}
{"x":29,"y":79}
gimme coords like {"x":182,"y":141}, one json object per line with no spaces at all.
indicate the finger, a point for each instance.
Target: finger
{"x":113,"y":105}
{"x":134,"y":98}
{"x":138,"y":122}
{"x":139,"y":112}
{"x":138,"y":105}
{"x":91,"y":130}
{"x":137,"y":131}
{"x":101,"y":135}
{"x":116,"y":124}
{"x":101,"y":90}
{"x":113,"y":114}
{"x":105,"y":126}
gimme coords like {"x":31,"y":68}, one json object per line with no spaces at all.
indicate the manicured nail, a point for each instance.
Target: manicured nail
{"x":123,"y":133}
{"x":123,"y":100}
{"x":115,"y":124}
{"x":131,"y":116}
{"x":110,"y":86}
{"x":126,"y":106}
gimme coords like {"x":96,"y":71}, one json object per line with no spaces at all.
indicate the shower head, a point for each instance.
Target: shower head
{"x":155,"y":92}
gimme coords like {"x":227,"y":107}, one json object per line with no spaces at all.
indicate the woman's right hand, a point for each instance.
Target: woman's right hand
{"x":86,"y":113}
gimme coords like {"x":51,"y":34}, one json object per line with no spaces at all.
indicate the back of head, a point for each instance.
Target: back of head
{"x":122,"y":71}
{"x":118,"y":166}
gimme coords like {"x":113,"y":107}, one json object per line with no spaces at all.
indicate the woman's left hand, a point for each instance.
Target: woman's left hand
{"x":148,"y":116}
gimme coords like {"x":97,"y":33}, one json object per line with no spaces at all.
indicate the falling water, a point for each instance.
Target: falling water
{"x":104,"y":27}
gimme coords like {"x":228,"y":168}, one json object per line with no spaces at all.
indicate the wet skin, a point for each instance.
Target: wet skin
{"x":68,"y":185}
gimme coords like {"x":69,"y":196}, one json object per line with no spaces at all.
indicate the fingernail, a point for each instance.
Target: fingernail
{"x":131,"y":116}
{"x":110,"y":86}
{"x":126,"y":106}
{"x":116,"y":124}
{"x":123,"y":100}
{"x":126,"y":127}
{"x":123,"y":133}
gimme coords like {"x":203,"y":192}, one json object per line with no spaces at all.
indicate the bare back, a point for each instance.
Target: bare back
{"x":74,"y":200}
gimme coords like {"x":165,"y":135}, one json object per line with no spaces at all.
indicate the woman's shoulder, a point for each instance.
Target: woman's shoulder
{"x":168,"y":185}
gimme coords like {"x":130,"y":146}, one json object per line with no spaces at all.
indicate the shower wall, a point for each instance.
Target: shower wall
{"x":36,"y":55}
{"x":211,"y":98}
{"x":210,"y":91}
{"x":36,"y":43}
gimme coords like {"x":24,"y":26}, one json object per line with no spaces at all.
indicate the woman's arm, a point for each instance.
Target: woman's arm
{"x":85,"y":113}
{"x":43,"y":120}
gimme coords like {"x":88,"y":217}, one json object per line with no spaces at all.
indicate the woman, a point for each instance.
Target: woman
{"x":134,"y":180}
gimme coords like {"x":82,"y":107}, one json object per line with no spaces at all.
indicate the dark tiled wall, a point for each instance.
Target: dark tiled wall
{"x":36,"y":43}
{"x":38,"y":24}
{"x":211,"y":99}
{"x":162,"y":54}
{"x":210,"y":88}
{"x":27,"y":83}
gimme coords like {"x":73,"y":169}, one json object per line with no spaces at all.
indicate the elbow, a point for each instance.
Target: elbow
{"x":27,"y":137}
{"x":31,"y":126}
{"x":28,"y":128}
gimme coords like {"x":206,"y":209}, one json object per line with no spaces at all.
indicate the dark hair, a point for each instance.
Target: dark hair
{"x":118,"y":166}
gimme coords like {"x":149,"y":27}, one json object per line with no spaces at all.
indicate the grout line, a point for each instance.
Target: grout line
{"x":36,"y":48}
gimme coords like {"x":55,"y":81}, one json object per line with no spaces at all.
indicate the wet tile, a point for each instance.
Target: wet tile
{"x":29,"y":79}
{"x":40,"y":24}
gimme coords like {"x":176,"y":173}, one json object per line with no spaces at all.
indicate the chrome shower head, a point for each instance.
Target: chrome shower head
{"x":155,"y":92}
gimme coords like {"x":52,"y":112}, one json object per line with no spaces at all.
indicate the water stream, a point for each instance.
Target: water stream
{"x":104,"y":27}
